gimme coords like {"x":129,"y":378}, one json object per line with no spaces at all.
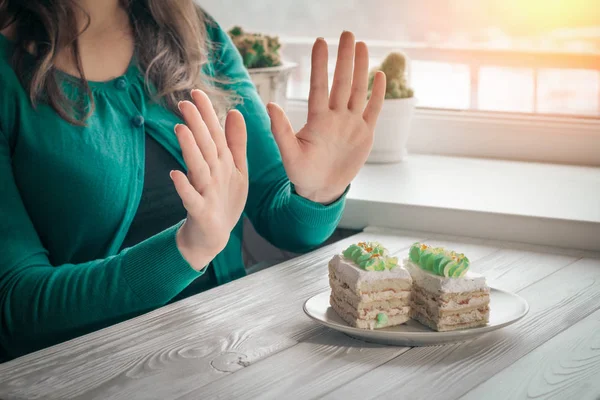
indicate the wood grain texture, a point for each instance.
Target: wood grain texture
{"x":329,"y":367}
{"x":187,"y":344}
{"x":314,"y":367}
{"x":556,"y":303}
{"x":297,"y":371}
{"x":251,"y":337}
{"x":565,"y":367}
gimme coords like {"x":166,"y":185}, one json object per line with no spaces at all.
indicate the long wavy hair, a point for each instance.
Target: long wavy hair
{"x":170,"y":42}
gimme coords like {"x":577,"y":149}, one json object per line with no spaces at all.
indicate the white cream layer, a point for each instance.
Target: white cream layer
{"x":338,"y":286}
{"x":438,"y":284}
{"x":347,"y":271}
{"x":451,"y":306}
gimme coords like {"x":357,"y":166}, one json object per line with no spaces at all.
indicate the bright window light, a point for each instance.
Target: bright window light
{"x":534,"y":56}
{"x":568,"y":91}
{"x":441,"y":85}
{"x":506,"y":89}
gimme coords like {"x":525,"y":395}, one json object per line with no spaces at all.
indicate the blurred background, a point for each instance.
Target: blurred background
{"x":533,"y":56}
{"x":539,"y":59}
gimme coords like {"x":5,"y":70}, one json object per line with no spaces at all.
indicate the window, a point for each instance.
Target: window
{"x":521,"y":63}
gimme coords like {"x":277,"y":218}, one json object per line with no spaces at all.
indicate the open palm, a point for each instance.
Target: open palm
{"x":326,"y":154}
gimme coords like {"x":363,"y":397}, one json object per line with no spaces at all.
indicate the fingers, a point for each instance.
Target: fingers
{"x":318,"y":99}
{"x":360,"y":79}
{"x":192,"y":201}
{"x":342,"y":79}
{"x":198,"y":170}
{"x":194,"y":121}
{"x":283,"y":133}
{"x":376,"y":101}
{"x":235,"y":133}
{"x":209,"y":116}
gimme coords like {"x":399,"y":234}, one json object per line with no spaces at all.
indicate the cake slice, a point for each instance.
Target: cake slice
{"x":446,"y":296}
{"x":369,"y":290}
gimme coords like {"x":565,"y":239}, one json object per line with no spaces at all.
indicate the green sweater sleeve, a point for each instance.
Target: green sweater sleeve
{"x":42,"y":304}
{"x":282,"y":217}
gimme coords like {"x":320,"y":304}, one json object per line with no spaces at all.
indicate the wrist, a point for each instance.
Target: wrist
{"x":196,"y":255}
{"x":324,"y":197}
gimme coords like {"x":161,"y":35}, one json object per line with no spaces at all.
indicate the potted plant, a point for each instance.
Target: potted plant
{"x":393,"y":125}
{"x":261,"y":57}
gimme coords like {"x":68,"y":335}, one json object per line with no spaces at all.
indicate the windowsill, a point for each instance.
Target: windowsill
{"x":548,"y":204}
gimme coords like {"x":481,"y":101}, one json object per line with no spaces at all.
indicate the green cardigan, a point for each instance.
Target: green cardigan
{"x":68,"y":195}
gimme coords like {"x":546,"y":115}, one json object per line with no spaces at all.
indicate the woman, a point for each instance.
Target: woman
{"x":92,"y":230}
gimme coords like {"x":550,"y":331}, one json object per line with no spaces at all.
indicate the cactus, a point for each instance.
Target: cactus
{"x":394,"y":67}
{"x":257,"y":50}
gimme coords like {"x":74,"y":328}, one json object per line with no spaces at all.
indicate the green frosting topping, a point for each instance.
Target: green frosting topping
{"x":439,"y":261}
{"x":382,"y":319}
{"x":370,"y":256}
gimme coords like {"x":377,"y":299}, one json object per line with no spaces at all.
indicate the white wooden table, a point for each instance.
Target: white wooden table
{"x":251,"y":339}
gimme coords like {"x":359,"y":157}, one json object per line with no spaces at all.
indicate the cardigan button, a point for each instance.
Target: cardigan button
{"x":137,"y":121}
{"x":121,"y":84}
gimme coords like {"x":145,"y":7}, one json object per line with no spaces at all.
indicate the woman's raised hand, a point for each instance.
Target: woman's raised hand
{"x":215,"y":189}
{"x":324,"y":156}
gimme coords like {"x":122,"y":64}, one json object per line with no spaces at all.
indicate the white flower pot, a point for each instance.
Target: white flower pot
{"x":392,"y":131}
{"x":271,"y":82}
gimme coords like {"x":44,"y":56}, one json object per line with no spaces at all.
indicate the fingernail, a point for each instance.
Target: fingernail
{"x":179,"y":105}
{"x":320,"y":38}
{"x":175,"y":128}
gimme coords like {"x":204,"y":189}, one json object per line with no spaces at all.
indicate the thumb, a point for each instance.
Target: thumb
{"x":283,"y":133}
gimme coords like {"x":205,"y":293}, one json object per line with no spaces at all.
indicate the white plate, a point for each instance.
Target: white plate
{"x":505,"y":309}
